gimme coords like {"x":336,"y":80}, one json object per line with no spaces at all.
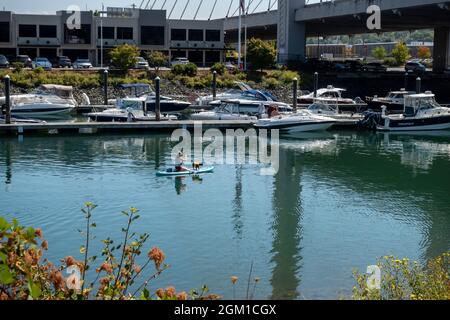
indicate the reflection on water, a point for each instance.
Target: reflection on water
{"x":339,"y":201}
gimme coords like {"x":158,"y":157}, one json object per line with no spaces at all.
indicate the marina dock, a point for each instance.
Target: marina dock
{"x":135,"y":127}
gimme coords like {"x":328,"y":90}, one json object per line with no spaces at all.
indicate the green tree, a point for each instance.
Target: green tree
{"x":125,"y":56}
{"x":401,"y":53}
{"x":379,"y":53}
{"x":157,"y":59}
{"x":261,"y":54}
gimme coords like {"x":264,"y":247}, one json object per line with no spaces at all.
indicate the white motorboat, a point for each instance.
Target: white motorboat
{"x":46,"y":102}
{"x":233,"y":93}
{"x":127,"y":110}
{"x":332,"y":96}
{"x":301,"y":121}
{"x":421,"y":113}
{"x":334,"y":112}
{"x":232,"y":110}
{"x":394,"y":101}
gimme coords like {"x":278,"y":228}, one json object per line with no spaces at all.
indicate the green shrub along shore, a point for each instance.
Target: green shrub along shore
{"x":188,"y":76}
{"x":25,"y":273}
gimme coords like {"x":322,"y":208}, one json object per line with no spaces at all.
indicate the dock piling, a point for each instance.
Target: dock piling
{"x":158,"y":98}
{"x":418,"y":85}
{"x":105,"y":87}
{"x":214,"y":85}
{"x":316,"y":83}
{"x":406,"y":81}
{"x":295,"y":93}
{"x":7,"y":81}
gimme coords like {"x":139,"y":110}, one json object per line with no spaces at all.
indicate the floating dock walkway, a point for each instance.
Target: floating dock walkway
{"x":132,"y":127}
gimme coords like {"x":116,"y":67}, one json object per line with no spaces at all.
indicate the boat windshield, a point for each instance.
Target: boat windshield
{"x":133,"y":104}
{"x":414,"y":104}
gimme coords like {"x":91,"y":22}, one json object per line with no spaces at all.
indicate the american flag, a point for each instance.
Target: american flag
{"x":243,"y":5}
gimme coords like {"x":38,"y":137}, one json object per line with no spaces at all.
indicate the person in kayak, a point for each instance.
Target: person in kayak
{"x":179,"y":161}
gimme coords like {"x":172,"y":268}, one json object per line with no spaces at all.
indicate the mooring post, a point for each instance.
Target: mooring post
{"x":406,"y":81}
{"x":158,"y":98}
{"x":316,"y":83}
{"x":418,"y":85}
{"x":7,"y":81}
{"x":295,"y":92}
{"x":214,"y":85}
{"x":105,"y":87}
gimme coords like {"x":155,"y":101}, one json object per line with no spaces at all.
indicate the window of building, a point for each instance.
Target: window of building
{"x":108,"y":32}
{"x":27,"y":30}
{"x":46,"y":31}
{"x":152,"y":36}
{"x":178,"y":35}
{"x":195,"y":35}
{"x":125,"y":33}
{"x":4,"y":32}
{"x":78,"y":36}
{"x":213,"y":35}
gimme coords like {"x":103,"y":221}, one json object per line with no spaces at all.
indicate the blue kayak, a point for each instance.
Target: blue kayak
{"x":172,"y":173}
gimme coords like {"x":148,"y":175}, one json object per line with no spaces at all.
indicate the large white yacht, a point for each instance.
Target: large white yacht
{"x":333,"y":96}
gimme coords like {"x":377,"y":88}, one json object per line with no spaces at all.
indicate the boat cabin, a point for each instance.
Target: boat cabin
{"x":239,"y":107}
{"x":136,"y":89}
{"x":419,"y":102}
{"x":65,"y":92}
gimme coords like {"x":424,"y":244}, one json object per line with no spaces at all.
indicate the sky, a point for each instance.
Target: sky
{"x":50,"y":6}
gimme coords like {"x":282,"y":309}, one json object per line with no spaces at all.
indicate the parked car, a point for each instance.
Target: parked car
{"x":354,"y":65}
{"x":82,"y":64}
{"x":25,"y":60}
{"x":414,"y":66}
{"x":182,"y":61}
{"x":62,"y":62}
{"x":374,"y":67}
{"x":4,"y":63}
{"x":42,"y":62}
{"x":340,"y":66}
{"x":142,"y":63}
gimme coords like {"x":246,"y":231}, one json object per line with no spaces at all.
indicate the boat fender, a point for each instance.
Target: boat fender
{"x":85,"y":99}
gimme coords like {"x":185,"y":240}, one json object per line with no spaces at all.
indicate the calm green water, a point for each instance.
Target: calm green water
{"x":339,"y":201}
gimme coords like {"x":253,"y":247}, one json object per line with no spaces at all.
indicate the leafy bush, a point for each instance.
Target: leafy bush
{"x":18,"y":66}
{"x":424,"y":53}
{"x":219,"y":68}
{"x":405,"y":280}
{"x":25,"y":275}
{"x":125,"y":56}
{"x":401,"y":53}
{"x":189,"y":69}
{"x":271,"y":83}
{"x":157,"y":59}
{"x":261,"y":54}
{"x":379,"y":53}
{"x":390,"y":62}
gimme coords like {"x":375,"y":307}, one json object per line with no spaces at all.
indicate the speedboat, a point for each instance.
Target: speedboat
{"x":332,"y":96}
{"x":334,"y":112}
{"x":127,"y":110}
{"x":232,"y":110}
{"x":144,"y":93}
{"x":301,"y":121}
{"x":394,"y":101}
{"x":234,"y":93}
{"x":421,"y":113}
{"x":47,"y":102}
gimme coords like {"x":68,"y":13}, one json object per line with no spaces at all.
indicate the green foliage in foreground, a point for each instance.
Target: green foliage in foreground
{"x":25,"y":275}
{"x":261,"y":54}
{"x":125,"y":56}
{"x":406,"y":280}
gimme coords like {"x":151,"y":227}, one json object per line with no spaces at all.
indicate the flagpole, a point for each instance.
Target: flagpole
{"x":240,"y":38}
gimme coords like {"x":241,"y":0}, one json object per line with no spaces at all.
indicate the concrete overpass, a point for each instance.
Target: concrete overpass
{"x":296,"y":20}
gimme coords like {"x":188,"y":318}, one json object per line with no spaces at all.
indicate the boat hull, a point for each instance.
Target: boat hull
{"x":42,"y":111}
{"x":390,"y":107}
{"x":168,"y":107}
{"x":298,"y":127}
{"x":424,"y":124}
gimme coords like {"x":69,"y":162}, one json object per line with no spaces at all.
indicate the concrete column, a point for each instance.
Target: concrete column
{"x":441,"y":49}
{"x":291,"y":34}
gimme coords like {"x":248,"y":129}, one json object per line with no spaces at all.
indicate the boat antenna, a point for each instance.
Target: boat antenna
{"x":198,"y":9}
{"x":212,"y":11}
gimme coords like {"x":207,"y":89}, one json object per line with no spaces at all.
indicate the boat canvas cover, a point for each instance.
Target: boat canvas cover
{"x":59,"y":90}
